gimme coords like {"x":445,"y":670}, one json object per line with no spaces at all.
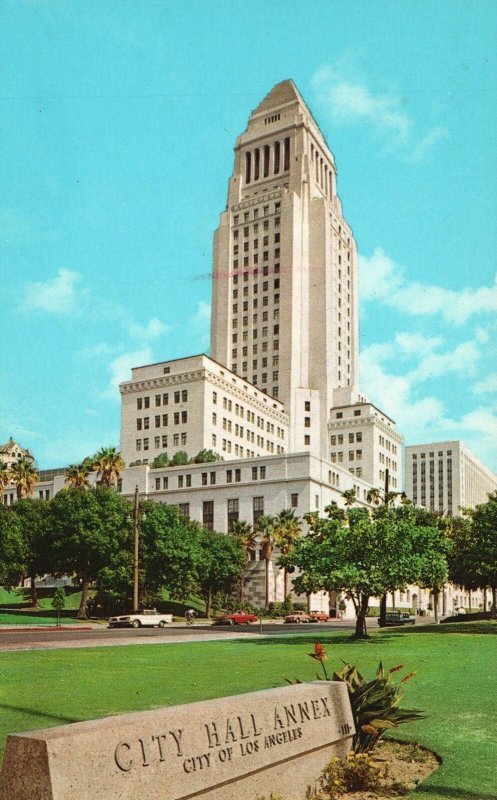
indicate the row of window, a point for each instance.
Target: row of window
{"x":161,"y":442}
{"x":357,"y":412}
{"x":162,"y":420}
{"x":388,"y":445}
{"x":389,"y":462}
{"x":353,"y":437}
{"x":266,"y":270}
{"x":337,"y":457}
{"x":323,"y":172}
{"x":162,"y":399}
{"x":266,"y":160}
{"x":265,"y":211}
{"x":432,"y":455}
{"x":228,"y":447}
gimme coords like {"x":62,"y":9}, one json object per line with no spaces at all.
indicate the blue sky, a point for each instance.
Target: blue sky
{"x":119,"y":119}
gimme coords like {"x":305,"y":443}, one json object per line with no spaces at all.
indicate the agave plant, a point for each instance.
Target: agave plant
{"x":375,"y":704}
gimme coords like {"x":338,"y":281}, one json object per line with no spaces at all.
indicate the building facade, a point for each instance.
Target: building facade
{"x":11,"y":452}
{"x":446,"y":477}
{"x":284,"y":301}
{"x":195,"y":404}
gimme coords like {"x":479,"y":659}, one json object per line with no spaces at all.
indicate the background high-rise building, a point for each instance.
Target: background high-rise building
{"x":284,"y":311}
{"x":446,"y":476}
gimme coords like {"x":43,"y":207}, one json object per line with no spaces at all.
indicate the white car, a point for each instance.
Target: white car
{"x":148,"y":617}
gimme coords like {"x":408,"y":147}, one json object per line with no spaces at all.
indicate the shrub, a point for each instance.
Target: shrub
{"x":287,"y":606}
{"x":180,"y":459}
{"x":355,"y":773}
{"x":161,"y":461}
{"x":276,"y":610}
{"x":375,"y":704}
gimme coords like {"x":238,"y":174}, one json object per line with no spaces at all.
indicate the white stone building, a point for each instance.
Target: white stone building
{"x":11,"y":452}
{"x":195,"y":404}
{"x":363,"y":440}
{"x":284,"y":303}
{"x":446,"y":476}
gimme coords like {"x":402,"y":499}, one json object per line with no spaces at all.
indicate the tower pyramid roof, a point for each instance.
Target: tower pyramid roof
{"x":283,"y":92}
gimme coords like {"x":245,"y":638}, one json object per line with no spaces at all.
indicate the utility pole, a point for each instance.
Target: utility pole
{"x":135,"y":554}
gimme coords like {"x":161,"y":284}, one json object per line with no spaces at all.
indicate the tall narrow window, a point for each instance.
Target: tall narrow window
{"x":276,"y":157}
{"x":266,"y":160}
{"x":208,"y":515}
{"x":286,"y":165}
{"x":248,"y":165}
{"x":257,"y":156}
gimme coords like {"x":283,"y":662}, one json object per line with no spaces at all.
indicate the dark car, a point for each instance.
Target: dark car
{"x":397,"y":618}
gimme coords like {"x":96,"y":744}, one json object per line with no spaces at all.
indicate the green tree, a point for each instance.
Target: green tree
{"x":170,"y":550}
{"x":59,"y":602}
{"x":483,"y":554}
{"x":12,"y":548}
{"x":265,"y":529}
{"x":180,"y":459}
{"x":364,"y":556}
{"x":433,"y":547}
{"x":88,"y":528}
{"x":463,"y":554}
{"x":24,"y":477}
{"x":34,"y":518}
{"x":109,"y":465}
{"x":222,"y":560}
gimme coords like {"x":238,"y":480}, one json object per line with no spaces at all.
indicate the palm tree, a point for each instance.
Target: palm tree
{"x":287,"y":529}
{"x":109,"y":465}
{"x":77,"y":474}
{"x":349,"y":497}
{"x":248,"y":539}
{"x":24,"y":476}
{"x":265,"y":528}
{"x":374,"y":497}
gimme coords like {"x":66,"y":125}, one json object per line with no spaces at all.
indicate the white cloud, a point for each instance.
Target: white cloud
{"x":55,"y":296}
{"x":432,"y":137}
{"x":487,"y":385}
{"x":421,"y":417}
{"x":97,"y":350}
{"x":120,"y":370}
{"x":152,"y":330}
{"x":201,"y":322}
{"x":385,"y":281}
{"x":347,"y":100}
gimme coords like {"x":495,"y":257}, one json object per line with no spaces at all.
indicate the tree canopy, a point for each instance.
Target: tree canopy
{"x":364,"y":555}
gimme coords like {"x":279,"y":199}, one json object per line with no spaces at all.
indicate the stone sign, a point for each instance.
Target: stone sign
{"x":232,"y":748}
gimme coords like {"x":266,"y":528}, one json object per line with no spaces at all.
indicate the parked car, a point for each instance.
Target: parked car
{"x":318,"y":616}
{"x":146,"y":618}
{"x":298,"y":616}
{"x":398,"y":618}
{"x":237,"y":618}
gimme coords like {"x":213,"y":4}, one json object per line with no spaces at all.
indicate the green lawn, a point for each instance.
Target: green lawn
{"x":456,"y":685}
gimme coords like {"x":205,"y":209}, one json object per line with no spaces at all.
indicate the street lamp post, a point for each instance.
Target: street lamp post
{"x":135,"y":553}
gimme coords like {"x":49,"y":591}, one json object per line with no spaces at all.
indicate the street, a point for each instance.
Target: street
{"x":101,"y":636}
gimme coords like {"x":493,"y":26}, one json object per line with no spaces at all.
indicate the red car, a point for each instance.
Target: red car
{"x":318,"y":616}
{"x":237,"y":618}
